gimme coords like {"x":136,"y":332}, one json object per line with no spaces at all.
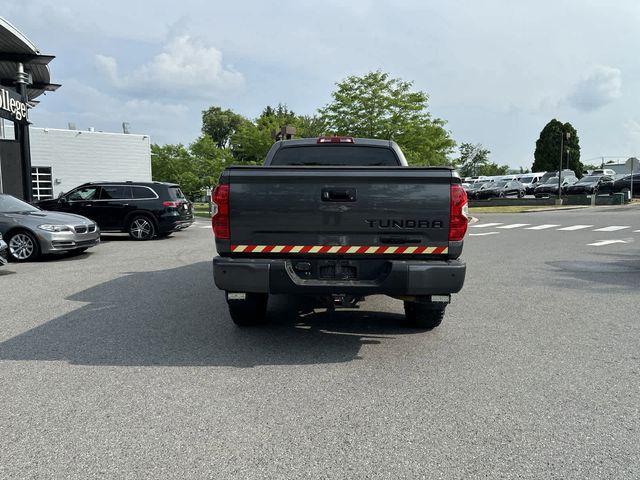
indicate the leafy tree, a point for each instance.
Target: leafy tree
{"x":378,"y":106}
{"x":220,"y":125}
{"x":208,"y":160}
{"x":252,"y":141}
{"x":472,"y":159}
{"x":194,"y":168}
{"x":310,"y":126}
{"x":491,"y":169}
{"x":173,"y":163}
{"x":547,"y":153}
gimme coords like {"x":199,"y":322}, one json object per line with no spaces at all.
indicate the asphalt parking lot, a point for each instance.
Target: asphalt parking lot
{"x":122,"y":363}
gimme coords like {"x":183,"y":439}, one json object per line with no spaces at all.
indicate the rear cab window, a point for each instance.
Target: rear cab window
{"x":336,"y":155}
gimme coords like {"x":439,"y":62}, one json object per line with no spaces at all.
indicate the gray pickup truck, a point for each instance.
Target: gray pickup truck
{"x":339,"y":218}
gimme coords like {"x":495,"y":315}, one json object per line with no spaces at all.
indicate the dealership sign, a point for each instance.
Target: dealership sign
{"x":11,"y":106}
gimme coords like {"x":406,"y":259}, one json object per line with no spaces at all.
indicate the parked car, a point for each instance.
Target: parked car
{"x":624,"y":184}
{"x":3,"y":251}
{"x":474,"y":187}
{"x":500,"y":189}
{"x":550,"y":187}
{"x":591,"y":184}
{"x":530,"y":181}
{"x":142,"y":209}
{"x":30,"y":232}
{"x":564,"y":173}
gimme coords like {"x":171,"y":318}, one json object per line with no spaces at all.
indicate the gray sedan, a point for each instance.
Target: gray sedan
{"x":29,"y":231}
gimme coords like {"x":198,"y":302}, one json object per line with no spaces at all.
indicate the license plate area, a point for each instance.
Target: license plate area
{"x":337,"y":270}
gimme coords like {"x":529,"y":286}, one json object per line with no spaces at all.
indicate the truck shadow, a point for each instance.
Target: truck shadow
{"x":178,"y":318}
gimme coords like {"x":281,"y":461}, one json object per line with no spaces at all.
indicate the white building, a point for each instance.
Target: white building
{"x":64,"y":159}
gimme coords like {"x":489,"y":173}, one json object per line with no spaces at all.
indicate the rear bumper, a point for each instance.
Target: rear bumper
{"x":404,"y":277}
{"x":172,"y":224}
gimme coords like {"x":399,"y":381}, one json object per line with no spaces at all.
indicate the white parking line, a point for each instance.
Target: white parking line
{"x":613,"y":228}
{"x":483,"y":234}
{"x":483,"y":225}
{"x":514,"y":225}
{"x":602,"y":243}
{"x":542,"y":227}
{"x":574,"y":227}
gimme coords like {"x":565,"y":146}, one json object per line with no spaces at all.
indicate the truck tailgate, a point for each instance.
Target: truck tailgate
{"x":293,"y":210}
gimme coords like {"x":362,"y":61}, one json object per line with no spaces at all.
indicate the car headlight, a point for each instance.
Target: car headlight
{"x":54,"y":228}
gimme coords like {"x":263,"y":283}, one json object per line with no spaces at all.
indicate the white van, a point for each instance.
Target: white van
{"x":530,"y":181}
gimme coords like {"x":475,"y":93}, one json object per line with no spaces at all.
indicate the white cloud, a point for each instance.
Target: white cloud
{"x":184,"y":68}
{"x":601,"y":87}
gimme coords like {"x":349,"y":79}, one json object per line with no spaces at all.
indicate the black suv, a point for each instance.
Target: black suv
{"x":142,"y":209}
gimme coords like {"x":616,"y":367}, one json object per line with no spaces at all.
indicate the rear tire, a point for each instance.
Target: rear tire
{"x":251,"y":311}
{"x":141,"y":227}
{"x":423,"y":315}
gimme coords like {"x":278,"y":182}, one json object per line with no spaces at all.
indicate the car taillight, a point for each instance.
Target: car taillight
{"x":220,"y":219}
{"x":170,"y":204}
{"x":459,"y":217}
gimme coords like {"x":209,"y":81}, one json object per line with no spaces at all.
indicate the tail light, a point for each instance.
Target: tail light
{"x":220,"y":219}
{"x":459,"y":217}
{"x":170,"y":204}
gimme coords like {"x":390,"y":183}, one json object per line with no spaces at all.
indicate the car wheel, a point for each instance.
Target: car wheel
{"x":23,"y":246}
{"x":423,"y":315}
{"x":501,"y":195}
{"x":250,"y":311}
{"x":141,"y":227}
{"x":520,"y":194}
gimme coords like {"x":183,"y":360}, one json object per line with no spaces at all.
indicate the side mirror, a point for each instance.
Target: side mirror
{"x":62,"y":200}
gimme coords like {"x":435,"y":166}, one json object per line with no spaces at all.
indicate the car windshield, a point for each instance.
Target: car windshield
{"x":526,"y":179}
{"x":552,"y":180}
{"x":9,"y":204}
{"x":498,"y":184}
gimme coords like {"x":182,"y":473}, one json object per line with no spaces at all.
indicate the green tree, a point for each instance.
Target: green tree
{"x":491,"y":169}
{"x":174,"y":163}
{"x":472,"y":158}
{"x":548,"y":148}
{"x":208,"y":160}
{"x":252,"y":141}
{"x":220,"y":125}
{"x":378,"y":106}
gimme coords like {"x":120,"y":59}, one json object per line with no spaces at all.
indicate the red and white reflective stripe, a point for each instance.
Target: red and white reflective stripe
{"x":338,"y":250}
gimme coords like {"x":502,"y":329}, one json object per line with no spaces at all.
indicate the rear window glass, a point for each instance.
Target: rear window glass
{"x":340,"y":155}
{"x":175,"y":193}
{"x":142,"y":192}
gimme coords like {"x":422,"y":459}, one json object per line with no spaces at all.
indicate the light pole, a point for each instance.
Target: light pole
{"x":568,"y":136}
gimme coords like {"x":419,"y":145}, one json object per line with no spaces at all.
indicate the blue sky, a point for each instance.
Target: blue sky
{"x":497,"y":71}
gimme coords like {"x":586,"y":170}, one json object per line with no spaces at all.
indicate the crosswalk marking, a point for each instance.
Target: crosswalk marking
{"x":613,"y":228}
{"x":542,"y":227}
{"x":574,"y":227}
{"x":602,"y":243}
{"x":483,"y":225}
{"x":514,"y":225}
{"x":483,"y":234}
